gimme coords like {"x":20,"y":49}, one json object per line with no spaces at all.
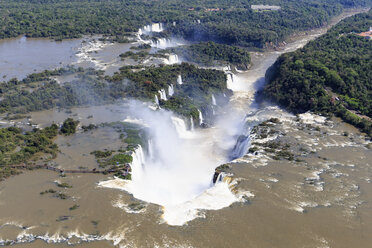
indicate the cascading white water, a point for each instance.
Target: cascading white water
{"x":171,"y":90}
{"x":137,"y":163}
{"x":179,"y":79}
{"x":161,"y":43}
{"x":157,"y":27}
{"x":214,"y":100}
{"x":156,"y":100}
{"x":150,"y":149}
{"x":191,"y":123}
{"x":178,"y":171}
{"x":179,"y":176}
{"x":200,"y":117}
{"x":181,"y":128}
{"x":172,"y":59}
{"x":139,"y":33}
{"x":154,"y":27}
{"x":163,"y":95}
{"x":230,"y":80}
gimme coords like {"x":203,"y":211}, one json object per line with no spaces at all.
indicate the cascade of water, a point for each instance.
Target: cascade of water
{"x":171,"y":90}
{"x":139,"y":33}
{"x":213,"y":111}
{"x":232,"y":77}
{"x":230,"y":81}
{"x":200,"y":117}
{"x":154,"y":27}
{"x":157,"y":27}
{"x":241,"y":147}
{"x":174,"y":24}
{"x":213,"y":100}
{"x":150,"y":149}
{"x":163,"y":95}
{"x":179,"y":79}
{"x":137,"y":162}
{"x":161,"y":43}
{"x":147,"y":28}
{"x":219,"y":178}
{"x":173,"y":59}
{"x":191,"y":123}
{"x":181,"y":128}
{"x":156,"y":100}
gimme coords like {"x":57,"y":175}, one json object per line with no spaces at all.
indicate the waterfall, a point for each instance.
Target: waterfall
{"x":150,"y":149}
{"x":230,"y":80}
{"x":213,"y":100}
{"x":147,"y":28}
{"x":213,"y":111}
{"x":173,"y":59}
{"x":241,"y":147}
{"x":178,"y":175}
{"x":155,"y":27}
{"x":171,"y":90}
{"x":179,"y":79}
{"x":200,"y":117}
{"x":219,"y":178}
{"x":181,"y":128}
{"x":137,"y":162}
{"x":232,"y":77}
{"x":139,"y":33}
{"x":156,"y":100}
{"x":174,"y":24}
{"x":191,"y":123}
{"x":161,"y":43}
{"x":163,"y":95}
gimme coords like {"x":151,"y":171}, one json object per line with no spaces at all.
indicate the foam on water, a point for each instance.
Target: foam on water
{"x":214,"y":198}
{"x":178,"y":177}
{"x":88,"y":48}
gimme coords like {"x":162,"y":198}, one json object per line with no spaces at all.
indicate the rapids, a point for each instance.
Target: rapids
{"x":179,"y":175}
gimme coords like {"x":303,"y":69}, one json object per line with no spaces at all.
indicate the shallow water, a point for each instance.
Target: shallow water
{"x":22,"y":56}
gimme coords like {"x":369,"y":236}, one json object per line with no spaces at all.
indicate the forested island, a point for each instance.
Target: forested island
{"x":224,"y":22}
{"x":330,"y":75}
{"x":40,"y":91}
{"x":214,"y":54}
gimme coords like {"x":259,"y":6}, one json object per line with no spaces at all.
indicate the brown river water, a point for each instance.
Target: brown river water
{"x":321,"y":200}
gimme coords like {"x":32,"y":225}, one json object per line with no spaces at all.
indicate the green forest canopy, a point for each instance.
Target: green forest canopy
{"x":331,"y":74}
{"x":236,"y":23}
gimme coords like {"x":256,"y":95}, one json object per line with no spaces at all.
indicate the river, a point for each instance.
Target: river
{"x":318,"y":201}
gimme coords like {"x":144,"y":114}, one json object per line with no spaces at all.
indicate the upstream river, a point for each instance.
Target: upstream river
{"x":319,"y":200}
